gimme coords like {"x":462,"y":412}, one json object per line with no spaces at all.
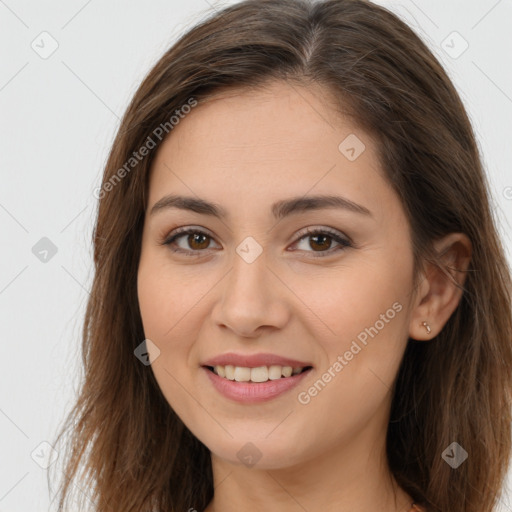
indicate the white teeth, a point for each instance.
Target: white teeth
{"x":230,"y":371}
{"x":274,"y":372}
{"x":258,"y":374}
{"x":286,"y":371}
{"x":242,"y":374}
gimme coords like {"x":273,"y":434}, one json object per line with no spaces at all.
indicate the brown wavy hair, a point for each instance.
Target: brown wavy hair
{"x":126,"y":448}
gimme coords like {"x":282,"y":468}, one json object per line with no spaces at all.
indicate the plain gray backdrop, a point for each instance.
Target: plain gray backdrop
{"x":68,"y":70}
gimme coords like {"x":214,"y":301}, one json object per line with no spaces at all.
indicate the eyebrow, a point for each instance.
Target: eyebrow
{"x":279,"y":210}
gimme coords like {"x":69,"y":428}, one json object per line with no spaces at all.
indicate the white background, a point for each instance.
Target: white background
{"x":58,"y":118}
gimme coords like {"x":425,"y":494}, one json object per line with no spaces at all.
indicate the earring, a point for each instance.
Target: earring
{"x":427,"y":326}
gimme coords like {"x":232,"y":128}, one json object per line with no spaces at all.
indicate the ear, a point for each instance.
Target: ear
{"x":438,"y":293}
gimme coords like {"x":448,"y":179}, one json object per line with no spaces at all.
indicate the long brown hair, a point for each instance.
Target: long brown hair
{"x":127,"y":449}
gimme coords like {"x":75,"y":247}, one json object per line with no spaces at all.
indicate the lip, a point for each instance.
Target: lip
{"x":254,"y":392}
{"x":254,"y":360}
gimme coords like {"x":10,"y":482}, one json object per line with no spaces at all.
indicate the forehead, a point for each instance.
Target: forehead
{"x":265,"y":144}
{"x":268,"y":119}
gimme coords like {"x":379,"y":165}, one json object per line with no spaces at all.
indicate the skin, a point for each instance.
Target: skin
{"x":245,"y":149}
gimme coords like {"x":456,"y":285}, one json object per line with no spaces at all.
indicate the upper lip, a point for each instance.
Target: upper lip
{"x":253,"y":360}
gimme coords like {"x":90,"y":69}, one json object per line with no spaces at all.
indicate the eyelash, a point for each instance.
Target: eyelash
{"x":180,"y":232}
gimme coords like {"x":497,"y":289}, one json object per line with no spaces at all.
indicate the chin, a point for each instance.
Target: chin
{"x":257,"y":454}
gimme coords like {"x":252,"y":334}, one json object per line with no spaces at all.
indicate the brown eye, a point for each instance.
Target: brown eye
{"x":196,"y":241}
{"x":321,"y":241}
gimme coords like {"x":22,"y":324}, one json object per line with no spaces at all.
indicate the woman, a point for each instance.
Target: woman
{"x":300,"y":299}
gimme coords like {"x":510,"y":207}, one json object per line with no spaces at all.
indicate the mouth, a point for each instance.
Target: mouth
{"x":256,"y":374}
{"x":256,"y":384}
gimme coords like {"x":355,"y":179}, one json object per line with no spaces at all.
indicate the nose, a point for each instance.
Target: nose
{"x":251,"y":299}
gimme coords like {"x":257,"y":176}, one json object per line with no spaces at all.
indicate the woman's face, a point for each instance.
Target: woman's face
{"x":253,"y":281}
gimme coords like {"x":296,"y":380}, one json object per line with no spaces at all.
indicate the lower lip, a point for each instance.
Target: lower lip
{"x":253,"y":392}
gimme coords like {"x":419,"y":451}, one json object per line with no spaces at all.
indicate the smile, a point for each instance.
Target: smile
{"x":248,"y":391}
{"x":257,"y":374}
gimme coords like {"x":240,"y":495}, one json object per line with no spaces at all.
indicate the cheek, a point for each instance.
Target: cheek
{"x":154,"y":303}
{"x":166,"y":319}
{"x":366,"y":314}
{"x":171,"y":308}
{"x":164,"y":307}
{"x":362,"y":297}
{"x":361,"y":360}
{"x":167,"y":297}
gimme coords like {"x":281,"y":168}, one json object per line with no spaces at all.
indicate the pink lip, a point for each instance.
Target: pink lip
{"x":254,"y":360}
{"x":253,"y":392}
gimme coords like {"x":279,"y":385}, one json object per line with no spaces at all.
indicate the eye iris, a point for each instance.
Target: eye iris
{"x":192,"y":238}
{"x":322,"y":237}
